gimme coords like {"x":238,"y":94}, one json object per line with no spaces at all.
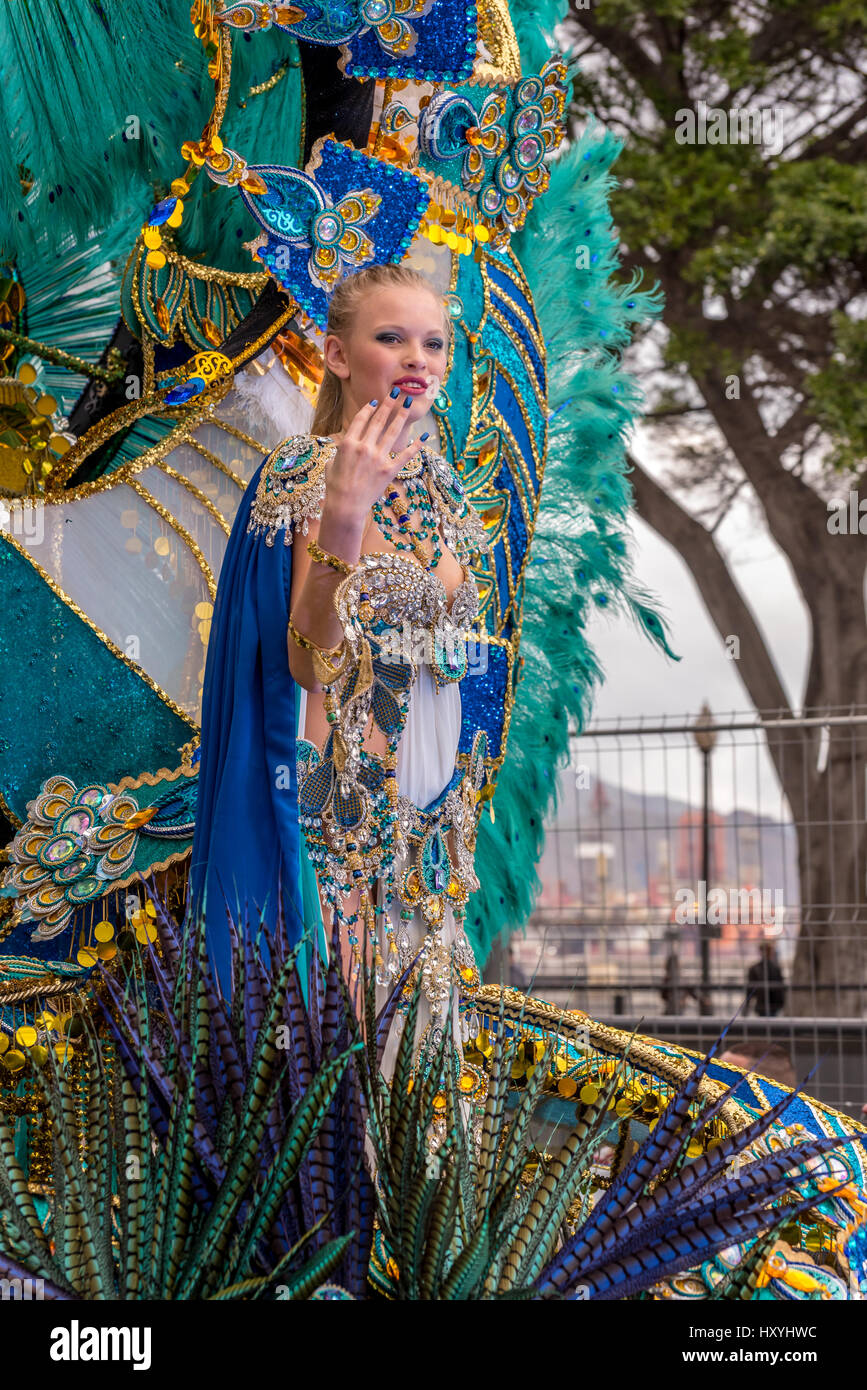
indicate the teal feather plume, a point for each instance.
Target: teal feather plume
{"x":71,"y":77}
{"x":580,"y":563}
{"x":71,"y":303}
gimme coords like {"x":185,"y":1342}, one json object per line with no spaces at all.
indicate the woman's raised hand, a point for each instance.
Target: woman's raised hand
{"x":362,"y":467}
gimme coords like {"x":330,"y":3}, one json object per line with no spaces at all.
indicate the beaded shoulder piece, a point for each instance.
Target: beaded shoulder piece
{"x":463,"y":528}
{"x":291,"y":487}
{"x":291,"y":490}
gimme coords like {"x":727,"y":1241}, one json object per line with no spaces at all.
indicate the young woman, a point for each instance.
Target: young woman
{"x":345,"y":603}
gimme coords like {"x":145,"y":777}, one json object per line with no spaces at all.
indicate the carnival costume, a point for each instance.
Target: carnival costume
{"x":383,"y":823}
{"x":150,"y":727}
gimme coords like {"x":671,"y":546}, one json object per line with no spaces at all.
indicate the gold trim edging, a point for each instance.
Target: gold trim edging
{"x":151,"y":779}
{"x":642,"y":1053}
{"x":103,"y":637}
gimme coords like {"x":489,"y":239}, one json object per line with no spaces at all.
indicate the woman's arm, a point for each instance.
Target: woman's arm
{"x":357,"y":476}
{"x":314,"y":585}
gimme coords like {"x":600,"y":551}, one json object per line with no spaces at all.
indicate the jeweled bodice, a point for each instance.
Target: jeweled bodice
{"x":399,"y":588}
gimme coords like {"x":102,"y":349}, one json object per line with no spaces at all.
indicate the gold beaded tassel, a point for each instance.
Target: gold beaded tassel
{"x":368,"y":913}
{"x":454,"y":228}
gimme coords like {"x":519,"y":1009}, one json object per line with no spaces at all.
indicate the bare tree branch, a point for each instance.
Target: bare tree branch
{"x":728,"y":609}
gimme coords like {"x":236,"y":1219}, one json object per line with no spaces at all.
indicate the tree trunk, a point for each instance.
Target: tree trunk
{"x":830,"y":964}
{"x":828,"y":806}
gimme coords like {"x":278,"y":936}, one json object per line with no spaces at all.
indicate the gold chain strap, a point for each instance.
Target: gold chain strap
{"x":314,"y":549}
{"x":325,"y":664}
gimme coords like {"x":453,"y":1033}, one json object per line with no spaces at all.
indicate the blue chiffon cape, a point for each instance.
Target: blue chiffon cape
{"x":248,"y":850}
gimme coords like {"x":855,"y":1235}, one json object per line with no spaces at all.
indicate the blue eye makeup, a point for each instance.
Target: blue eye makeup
{"x":433,"y":344}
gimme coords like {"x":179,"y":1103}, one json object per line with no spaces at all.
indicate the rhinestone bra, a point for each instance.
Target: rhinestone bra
{"x":400,"y":588}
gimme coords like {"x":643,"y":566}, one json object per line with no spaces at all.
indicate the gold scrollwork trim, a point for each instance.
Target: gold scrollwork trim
{"x":240,"y":434}
{"x":271,"y":82}
{"x":140,"y":875}
{"x":538,"y":455}
{"x":151,"y":779}
{"x":848,"y":1121}
{"x":218,"y":463}
{"x":103,"y":430}
{"x":454,"y":272}
{"x":253,"y":349}
{"x":516,"y":272}
{"x":540,"y":470}
{"x":184,"y":305}
{"x":530,"y":517}
{"x":179,"y":530}
{"x":539,"y":451}
{"x":539,"y":390}
{"x":13,"y":991}
{"x":197,"y":493}
{"x":225,"y":79}
{"x":9,"y":813}
{"x":528,"y":497}
{"x":237,"y":279}
{"x":148,"y":362}
{"x":103,"y":637}
{"x":530,"y":325}
{"x":642,"y":1052}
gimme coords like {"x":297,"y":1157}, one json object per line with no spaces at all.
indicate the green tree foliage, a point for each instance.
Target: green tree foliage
{"x":742,"y":193}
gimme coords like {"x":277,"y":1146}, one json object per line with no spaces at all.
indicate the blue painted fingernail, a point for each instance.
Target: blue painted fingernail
{"x":394,"y":393}
{"x":407,"y":403}
{"x":423,"y":437}
{"x":374,"y":402}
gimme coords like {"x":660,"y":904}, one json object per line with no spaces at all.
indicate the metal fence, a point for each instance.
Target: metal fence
{"x":698,"y":860}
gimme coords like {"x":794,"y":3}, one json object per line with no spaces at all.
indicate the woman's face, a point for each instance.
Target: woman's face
{"x":397,"y":339}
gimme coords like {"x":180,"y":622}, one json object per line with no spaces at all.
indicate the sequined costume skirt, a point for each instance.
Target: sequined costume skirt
{"x":426,"y":757}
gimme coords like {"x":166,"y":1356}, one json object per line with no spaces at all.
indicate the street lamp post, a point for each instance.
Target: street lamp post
{"x":705,"y":738}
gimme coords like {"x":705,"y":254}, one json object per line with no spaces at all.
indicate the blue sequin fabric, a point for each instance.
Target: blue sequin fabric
{"x":434,"y":40}
{"x":355,"y":210}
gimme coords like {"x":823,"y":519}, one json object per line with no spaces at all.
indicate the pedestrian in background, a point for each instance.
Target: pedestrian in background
{"x":766,"y":978}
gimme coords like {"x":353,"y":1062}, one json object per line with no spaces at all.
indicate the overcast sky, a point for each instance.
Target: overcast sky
{"x":642,"y":681}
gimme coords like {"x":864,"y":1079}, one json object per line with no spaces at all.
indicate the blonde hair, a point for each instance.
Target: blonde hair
{"x":345,"y":302}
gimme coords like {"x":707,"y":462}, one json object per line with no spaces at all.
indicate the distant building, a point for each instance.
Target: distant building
{"x":688,"y":849}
